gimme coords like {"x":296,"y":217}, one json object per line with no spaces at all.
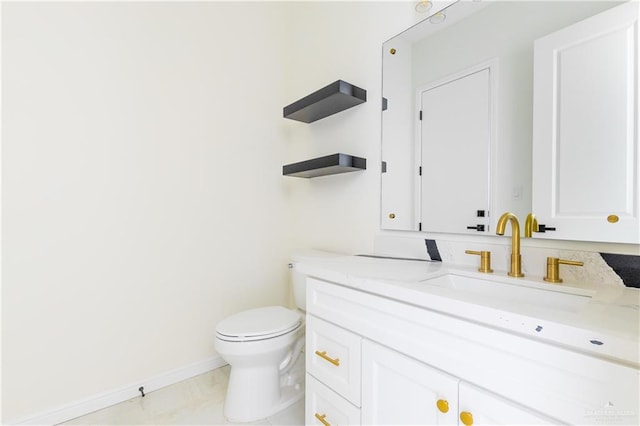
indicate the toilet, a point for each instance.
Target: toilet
{"x":264,"y":348}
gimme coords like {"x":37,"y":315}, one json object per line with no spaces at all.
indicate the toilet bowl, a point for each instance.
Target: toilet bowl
{"x":261,"y":345}
{"x":264,"y":348}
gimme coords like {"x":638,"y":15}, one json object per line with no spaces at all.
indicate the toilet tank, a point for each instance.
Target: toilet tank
{"x":298,"y":279}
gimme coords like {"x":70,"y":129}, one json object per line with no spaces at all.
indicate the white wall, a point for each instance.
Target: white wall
{"x":142,"y":196}
{"x":340,"y":40}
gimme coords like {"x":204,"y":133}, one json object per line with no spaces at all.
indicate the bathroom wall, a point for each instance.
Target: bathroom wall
{"x":142,"y":196}
{"x":340,"y":40}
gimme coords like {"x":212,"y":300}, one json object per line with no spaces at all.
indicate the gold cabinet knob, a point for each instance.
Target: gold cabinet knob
{"x":613,"y":218}
{"x":443,"y":405}
{"x":392,"y":215}
{"x":553,"y":268}
{"x":485,"y":260}
{"x":466,"y":418}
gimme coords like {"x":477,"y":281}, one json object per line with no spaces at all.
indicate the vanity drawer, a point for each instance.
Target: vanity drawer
{"x":333,"y":357}
{"x":325,"y":407}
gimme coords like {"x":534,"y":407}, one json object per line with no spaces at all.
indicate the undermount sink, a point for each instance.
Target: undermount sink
{"x":517,"y":292}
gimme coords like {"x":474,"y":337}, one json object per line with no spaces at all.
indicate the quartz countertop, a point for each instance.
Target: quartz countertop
{"x":603,"y":322}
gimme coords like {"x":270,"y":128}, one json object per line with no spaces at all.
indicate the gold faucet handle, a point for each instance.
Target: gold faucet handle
{"x":485,"y":260}
{"x":553,"y":268}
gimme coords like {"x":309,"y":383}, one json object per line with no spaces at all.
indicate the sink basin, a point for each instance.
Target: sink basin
{"x":517,"y":292}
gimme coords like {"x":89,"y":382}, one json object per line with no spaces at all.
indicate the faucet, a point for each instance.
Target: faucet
{"x":530,"y":225}
{"x":516,"y":260}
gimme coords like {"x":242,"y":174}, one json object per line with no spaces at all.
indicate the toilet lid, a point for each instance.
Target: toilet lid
{"x":258,"y":324}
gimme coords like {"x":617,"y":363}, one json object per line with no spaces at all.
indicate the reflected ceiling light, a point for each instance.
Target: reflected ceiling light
{"x":423,"y":6}
{"x":437,"y":18}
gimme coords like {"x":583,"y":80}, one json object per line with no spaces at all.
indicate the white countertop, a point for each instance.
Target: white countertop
{"x":605,"y":322}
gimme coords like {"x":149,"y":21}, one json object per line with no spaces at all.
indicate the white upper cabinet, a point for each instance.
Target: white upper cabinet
{"x":585,"y":129}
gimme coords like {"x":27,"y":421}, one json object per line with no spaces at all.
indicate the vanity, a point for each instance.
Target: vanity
{"x":394,"y":341}
{"x":476,"y":133}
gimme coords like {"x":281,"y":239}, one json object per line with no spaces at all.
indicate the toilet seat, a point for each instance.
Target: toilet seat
{"x":258,"y":324}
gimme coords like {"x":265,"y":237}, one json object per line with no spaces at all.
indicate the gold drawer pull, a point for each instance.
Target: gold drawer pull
{"x":321,"y":417}
{"x":324,"y":356}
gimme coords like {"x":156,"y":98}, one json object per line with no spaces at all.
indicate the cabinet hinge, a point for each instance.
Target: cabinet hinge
{"x":420,"y":171}
{"x":420,"y":115}
{"x":419,"y":226}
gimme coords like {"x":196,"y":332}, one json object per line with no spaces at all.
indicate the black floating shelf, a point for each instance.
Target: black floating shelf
{"x":322,"y":103}
{"x":322,"y":166}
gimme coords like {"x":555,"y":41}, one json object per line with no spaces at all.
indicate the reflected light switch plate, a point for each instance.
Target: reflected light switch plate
{"x":516,"y":192}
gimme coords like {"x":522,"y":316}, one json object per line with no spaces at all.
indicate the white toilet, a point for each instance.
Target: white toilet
{"x":264,"y":348}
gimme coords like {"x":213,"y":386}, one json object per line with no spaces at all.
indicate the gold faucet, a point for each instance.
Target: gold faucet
{"x":516,"y":260}
{"x":530,"y":225}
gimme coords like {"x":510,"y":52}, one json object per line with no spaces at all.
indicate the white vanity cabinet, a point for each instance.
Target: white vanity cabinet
{"x":323,"y":406}
{"x":397,"y":389}
{"x":375,"y":360}
{"x":479,"y":407}
{"x":585,"y":135}
{"x":333,"y":357}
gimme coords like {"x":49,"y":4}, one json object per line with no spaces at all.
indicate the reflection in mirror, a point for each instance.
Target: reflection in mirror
{"x":474,"y":72}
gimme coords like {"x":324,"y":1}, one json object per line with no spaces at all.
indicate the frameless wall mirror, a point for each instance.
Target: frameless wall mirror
{"x":457,"y":119}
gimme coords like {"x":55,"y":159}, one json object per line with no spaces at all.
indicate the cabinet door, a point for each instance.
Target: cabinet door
{"x":585,"y":136}
{"x":480,"y":407}
{"x":398,"y":390}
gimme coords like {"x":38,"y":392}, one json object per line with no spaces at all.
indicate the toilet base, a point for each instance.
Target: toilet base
{"x":248,"y":401}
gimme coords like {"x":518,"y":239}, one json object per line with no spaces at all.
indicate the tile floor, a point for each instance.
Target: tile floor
{"x":197,"y":401}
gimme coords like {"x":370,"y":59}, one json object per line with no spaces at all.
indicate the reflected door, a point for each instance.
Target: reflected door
{"x":455,"y":132}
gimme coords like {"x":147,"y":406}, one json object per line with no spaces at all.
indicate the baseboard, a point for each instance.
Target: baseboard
{"x":116,"y":396}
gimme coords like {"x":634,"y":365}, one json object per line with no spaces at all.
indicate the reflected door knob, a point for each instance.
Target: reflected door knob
{"x":545,"y":228}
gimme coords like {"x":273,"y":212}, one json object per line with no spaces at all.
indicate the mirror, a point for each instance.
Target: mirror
{"x":471,"y":65}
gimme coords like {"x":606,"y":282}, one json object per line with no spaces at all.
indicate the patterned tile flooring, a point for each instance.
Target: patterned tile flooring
{"x":197,"y":401}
